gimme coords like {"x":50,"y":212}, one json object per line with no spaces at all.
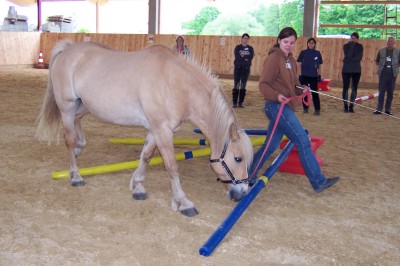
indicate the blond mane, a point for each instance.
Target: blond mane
{"x":223,"y":117}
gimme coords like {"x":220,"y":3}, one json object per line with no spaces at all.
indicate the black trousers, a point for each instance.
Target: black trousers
{"x":240,"y":75}
{"x":355,"y":78}
{"x":312,"y":82}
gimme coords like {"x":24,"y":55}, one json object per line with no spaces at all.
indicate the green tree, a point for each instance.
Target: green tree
{"x":206,"y":15}
{"x":291,"y":15}
{"x":234,"y":26}
{"x":352,"y":14}
{"x":268,"y":17}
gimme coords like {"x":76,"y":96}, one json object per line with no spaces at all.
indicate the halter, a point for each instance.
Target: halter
{"x":226,"y":168}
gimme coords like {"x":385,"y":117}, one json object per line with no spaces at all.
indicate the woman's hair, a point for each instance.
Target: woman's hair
{"x":179,"y":37}
{"x":355,"y":34}
{"x":312,"y":40}
{"x":284,"y":33}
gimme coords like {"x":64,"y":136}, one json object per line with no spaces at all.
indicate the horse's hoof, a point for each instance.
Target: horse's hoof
{"x":78,"y":183}
{"x":190,"y":212}
{"x":139,"y":196}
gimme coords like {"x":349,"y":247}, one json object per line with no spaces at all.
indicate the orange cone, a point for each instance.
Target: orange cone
{"x":40,"y":63}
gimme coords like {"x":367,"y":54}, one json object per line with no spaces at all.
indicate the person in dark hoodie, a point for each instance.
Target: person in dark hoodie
{"x":310,"y":61}
{"x":353,"y":53}
{"x":279,"y":82}
{"x":243,"y":55}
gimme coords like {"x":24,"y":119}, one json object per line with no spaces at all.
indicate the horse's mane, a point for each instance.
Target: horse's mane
{"x":221,"y":120}
{"x":222,"y":114}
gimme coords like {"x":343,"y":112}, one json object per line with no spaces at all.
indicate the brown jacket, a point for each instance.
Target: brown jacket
{"x":277,"y":78}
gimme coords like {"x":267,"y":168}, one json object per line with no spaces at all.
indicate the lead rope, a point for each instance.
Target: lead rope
{"x":284,"y":102}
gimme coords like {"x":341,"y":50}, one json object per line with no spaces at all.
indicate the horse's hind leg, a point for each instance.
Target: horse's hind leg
{"x":80,"y":141}
{"x":68,"y":120}
{"x":136,"y":184}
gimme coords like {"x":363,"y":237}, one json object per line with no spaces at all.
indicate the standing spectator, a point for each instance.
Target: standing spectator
{"x":243,"y":55}
{"x":180,"y":47}
{"x":353,"y":53}
{"x":310,"y":61}
{"x":277,"y":84}
{"x":387,"y":61}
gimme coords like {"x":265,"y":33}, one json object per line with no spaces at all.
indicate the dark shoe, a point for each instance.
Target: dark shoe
{"x":234,"y":106}
{"x":351,"y":110}
{"x":346,"y":109}
{"x":388,"y":113}
{"x":305,"y":111}
{"x":241,"y":105}
{"x":329,"y":182}
{"x":377,"y":113}
{"x":316,"y":113}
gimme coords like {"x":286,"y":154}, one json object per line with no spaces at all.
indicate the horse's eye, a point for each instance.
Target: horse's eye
{"x":238,"y":159}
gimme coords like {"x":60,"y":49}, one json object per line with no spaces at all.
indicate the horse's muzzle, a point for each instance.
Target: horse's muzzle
{"x":237,"y":192}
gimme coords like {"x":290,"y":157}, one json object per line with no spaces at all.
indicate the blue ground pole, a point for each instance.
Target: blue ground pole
{"x":242,"y":205}
{"x":249,"y":131}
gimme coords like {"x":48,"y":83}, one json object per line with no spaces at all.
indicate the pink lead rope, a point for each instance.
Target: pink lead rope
{"x":306,"y":102}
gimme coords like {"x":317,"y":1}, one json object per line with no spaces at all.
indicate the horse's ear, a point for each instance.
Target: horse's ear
{"x":233,"y":132}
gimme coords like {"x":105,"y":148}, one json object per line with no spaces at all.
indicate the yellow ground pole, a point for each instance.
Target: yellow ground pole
{"x":131,"y":165}
{"x":154,"y":161}
{"x":139,"y":141}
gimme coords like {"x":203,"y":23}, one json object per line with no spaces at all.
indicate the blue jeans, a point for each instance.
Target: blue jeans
{"x":290,"y":126}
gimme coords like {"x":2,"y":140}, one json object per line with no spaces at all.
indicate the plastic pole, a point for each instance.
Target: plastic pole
{"x":242,"y":205}
{"x":109,"y":168}
{"x":130,"y":165}
{"x":367,"y":97}
{"x":261,"y":132}
{"x":139,"y":141}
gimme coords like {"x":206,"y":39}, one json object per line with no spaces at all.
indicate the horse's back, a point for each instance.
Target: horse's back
{"x":146,"y":87}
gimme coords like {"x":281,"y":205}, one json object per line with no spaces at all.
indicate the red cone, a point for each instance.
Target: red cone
{"x":40,"y":63}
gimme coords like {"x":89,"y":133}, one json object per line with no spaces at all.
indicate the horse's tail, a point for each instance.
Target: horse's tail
{"x":49,"y":117}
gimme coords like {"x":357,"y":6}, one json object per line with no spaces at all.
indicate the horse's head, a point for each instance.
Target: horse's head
{"x":231,"y":166}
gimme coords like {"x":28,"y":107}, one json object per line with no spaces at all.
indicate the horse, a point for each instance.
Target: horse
{"x":152,"y":88}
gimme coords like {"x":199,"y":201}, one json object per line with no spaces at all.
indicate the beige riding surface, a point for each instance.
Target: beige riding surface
{"x":48,"y":222}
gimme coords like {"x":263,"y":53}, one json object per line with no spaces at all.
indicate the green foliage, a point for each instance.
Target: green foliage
{"x":269,"y":18}
{"x":82,"y":30}
{"x":234,"y":26}
{"x":206,"y":15}
{"x":291,"y":15}
{"x":352,"y":14}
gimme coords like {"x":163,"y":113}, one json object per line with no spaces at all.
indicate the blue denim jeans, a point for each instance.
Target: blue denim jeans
{"x":290,"y":126}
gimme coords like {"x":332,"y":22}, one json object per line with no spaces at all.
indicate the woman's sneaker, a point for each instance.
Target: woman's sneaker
{"x":329,"y":182}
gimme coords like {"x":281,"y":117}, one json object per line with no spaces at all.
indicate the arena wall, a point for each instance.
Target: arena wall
{"x":20,"y":49}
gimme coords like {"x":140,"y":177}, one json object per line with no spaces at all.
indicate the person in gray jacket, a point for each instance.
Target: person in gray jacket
{"x":353,"y":53}
{"x":387,"y":60}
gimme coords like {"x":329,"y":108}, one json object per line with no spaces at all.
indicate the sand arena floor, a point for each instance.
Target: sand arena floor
{"x":48,"y":222}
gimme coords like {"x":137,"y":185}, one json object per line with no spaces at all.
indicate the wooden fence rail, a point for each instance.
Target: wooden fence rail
{"x":214,"y":51}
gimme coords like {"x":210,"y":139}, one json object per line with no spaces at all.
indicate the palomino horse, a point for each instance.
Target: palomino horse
{"x":152,"y":88}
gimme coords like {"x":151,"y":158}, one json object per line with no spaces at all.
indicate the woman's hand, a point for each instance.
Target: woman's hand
{"x":281,"y":98}
{"x":303,"y":88}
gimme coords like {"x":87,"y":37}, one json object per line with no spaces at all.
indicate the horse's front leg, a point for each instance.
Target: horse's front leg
{"x":179,"y":200}
{"x":136,"y":185}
